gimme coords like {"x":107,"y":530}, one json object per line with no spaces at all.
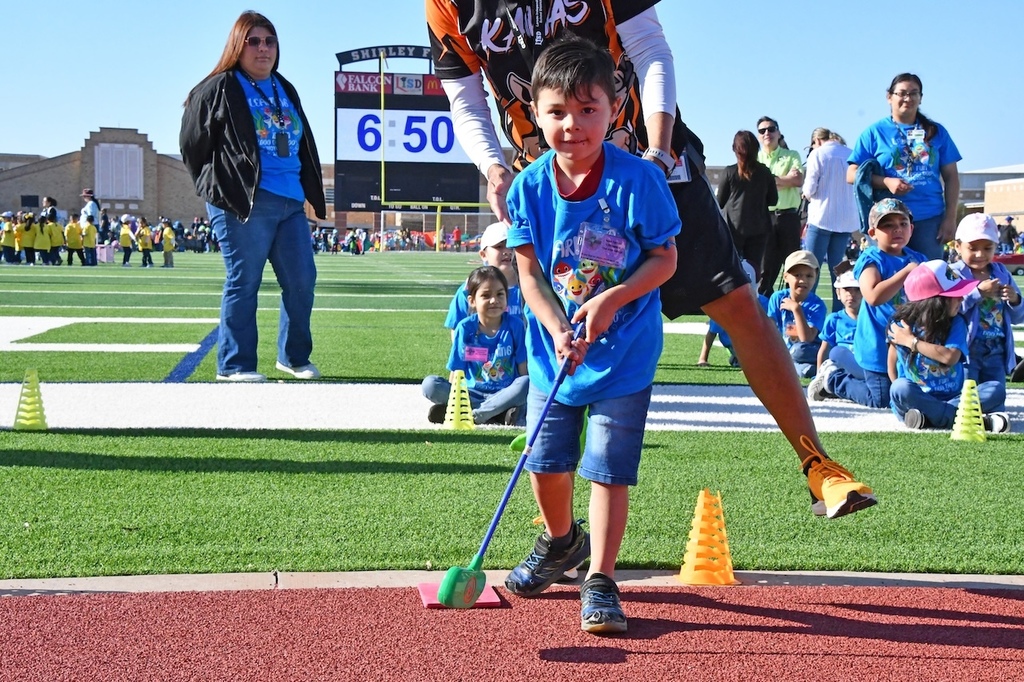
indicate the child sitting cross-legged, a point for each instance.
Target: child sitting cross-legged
{"x":993,"y":307}
{"x":798,"y":312}
{"x":927,"y":350}
{"x":489,"y":347}
{"x":837,"y":334}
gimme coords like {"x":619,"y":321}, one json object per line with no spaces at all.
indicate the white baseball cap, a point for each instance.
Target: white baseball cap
{"x":494,"y":234}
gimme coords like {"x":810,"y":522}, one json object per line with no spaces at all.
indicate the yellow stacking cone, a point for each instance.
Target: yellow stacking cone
{"x":30,"y":416}
{"x":707,"y":560}
{"x":459,"y":414}
{"x":968,"y":424}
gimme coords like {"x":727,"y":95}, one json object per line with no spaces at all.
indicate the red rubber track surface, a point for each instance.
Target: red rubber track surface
{"x":732,"y":633}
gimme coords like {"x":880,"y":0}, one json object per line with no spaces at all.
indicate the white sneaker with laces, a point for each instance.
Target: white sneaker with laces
{"x":242,"y":377}
{"x":818,"y":388}
{"x":996,"y":422}
{"x":304,"y":372}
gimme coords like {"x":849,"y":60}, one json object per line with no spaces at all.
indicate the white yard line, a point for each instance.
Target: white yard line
{"x":322,"y":405}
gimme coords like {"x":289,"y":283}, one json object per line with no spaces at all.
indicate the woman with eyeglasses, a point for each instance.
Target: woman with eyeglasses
{"x":247,"y":145}
{"x":918,"y":162}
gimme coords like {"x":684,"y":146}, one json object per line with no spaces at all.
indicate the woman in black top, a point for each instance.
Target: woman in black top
{"x":745,"y":192}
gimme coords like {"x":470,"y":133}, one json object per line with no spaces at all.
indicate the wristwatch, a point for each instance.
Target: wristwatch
{"x":663,"y":156}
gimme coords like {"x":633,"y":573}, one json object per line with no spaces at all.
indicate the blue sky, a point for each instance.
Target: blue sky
{"x":68,"y":71}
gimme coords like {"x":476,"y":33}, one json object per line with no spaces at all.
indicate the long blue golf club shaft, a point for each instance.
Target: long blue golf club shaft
{"x":562,"y":372}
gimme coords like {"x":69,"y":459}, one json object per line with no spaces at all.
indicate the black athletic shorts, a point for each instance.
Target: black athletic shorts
{"x":708,"y":266}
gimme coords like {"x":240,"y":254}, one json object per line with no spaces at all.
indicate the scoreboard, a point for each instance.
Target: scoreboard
{"x":414,"y":136}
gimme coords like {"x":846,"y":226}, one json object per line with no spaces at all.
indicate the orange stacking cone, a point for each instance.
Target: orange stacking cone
{"x":707,"y":560}
{"x":968,"y":424}
{"x":459,"y":414}
{"x":30,"y":416}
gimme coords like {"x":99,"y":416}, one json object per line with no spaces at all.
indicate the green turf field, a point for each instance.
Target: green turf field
{"x":147,"y":502}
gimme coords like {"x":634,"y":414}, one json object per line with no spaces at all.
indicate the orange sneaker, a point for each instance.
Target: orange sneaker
{"x":833,"y":487}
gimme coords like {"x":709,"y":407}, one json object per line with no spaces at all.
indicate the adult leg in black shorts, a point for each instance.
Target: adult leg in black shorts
{"x":709,"y":277}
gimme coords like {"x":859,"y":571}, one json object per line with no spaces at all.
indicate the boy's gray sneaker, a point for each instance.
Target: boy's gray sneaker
{"x":914,"y":419}
{"x":544,"y":566}
{"x":600,"y":609}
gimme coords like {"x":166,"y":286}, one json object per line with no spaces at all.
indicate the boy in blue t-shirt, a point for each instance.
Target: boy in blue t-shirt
{"x":594,"y":231}
{"x":798,"y":312}
{"x":837,"y":334}
{"x":493,"y":251}
{"x":881,"y":271}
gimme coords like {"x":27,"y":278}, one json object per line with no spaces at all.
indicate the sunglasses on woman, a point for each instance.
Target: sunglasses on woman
{"x":255,"y":41}
{"x":767,"y":129}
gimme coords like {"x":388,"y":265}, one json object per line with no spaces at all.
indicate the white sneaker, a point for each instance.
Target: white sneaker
{"x":996,"y":422}
{"x":242,"y":377}
{"x":304,"y":372}
{"x":817,"y":389}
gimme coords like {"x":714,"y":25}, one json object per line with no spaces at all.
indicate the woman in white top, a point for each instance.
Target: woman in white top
{"x":831,"y":208}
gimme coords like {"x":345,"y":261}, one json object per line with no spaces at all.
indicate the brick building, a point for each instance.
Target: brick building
{"x":119,"y":164}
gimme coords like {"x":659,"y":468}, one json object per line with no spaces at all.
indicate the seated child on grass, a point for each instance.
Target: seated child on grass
{"x":493,"y":251}
{"x":798,"y":312}
{"x":927,"y":351}
{"x":881,"y":271}
{"x":993,"y":307}
{"x":489,"y":347}
{"x":837,"y":334}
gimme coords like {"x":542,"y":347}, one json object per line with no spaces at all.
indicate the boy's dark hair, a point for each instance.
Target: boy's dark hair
{"x":573,"y":66}
{"x":486,"y":273}
{"x":930,"y":315}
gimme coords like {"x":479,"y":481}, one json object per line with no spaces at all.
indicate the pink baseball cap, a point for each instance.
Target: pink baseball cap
{"x":977,"y":226}
{"x":936,"y":278}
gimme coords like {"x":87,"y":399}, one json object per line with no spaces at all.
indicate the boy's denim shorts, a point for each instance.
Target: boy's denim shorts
{"x":615,"y":435}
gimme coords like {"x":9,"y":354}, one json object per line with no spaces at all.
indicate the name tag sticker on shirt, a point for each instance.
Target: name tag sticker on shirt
{"x":475,"y":354}
{"x":603,"y":245}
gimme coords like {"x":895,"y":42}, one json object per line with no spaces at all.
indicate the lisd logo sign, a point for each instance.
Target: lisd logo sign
{"x":408,"y":84}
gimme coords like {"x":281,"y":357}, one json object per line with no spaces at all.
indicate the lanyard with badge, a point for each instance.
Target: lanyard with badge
{"x":912,"y":140}
{"x":602,"y":243}
{"x":280,"y":137}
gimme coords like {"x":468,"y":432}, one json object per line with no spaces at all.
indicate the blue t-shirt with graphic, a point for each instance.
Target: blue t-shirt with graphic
{"x":458,"y":309}
{"x":839,"y":330}
{"x":583,"y":248}
{"x":489,"y":362}
{"x":870,"y":347}
{"x":902,"y":152}
{"x":930,"y":375}
{"x":814,"y":312}
{"x":278,"y":174}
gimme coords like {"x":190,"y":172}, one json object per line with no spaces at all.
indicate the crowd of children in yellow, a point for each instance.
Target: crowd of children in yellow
{"x":27,"y":239}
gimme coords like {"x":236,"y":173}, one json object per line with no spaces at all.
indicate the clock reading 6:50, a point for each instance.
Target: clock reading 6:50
{"x":418,"y":133}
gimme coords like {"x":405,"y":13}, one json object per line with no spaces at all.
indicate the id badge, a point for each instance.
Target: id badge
{"x":916,"y":135}
{"x":281,"y":142}
{"x":475,"y":354}
{"x":604,"y":245}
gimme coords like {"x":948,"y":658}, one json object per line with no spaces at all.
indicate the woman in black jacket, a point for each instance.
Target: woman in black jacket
{"x":247,"y":145}
{"x":745,"y":192}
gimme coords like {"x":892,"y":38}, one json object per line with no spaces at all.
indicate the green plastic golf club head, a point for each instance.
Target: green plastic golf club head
{"x":519,"y":444}
{"x":461,"y":587}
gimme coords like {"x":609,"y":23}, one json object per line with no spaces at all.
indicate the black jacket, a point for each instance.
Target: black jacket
{"x":745,"y":202}
{"x":219,"y":148}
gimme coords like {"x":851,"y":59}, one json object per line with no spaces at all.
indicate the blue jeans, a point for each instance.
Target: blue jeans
{"x":485,"y":405}
{"x":615,"y":437}
{"x":844,"y":359}
{"x":90,"y":255}
{"x":925,"y":233}
{"x":939,"y":409}
{"x":277,"y":230}
{"x":870,"y":391}
{"x":988,"y":365}
{"x":827,"y":246}
{"x":805,"y":357}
